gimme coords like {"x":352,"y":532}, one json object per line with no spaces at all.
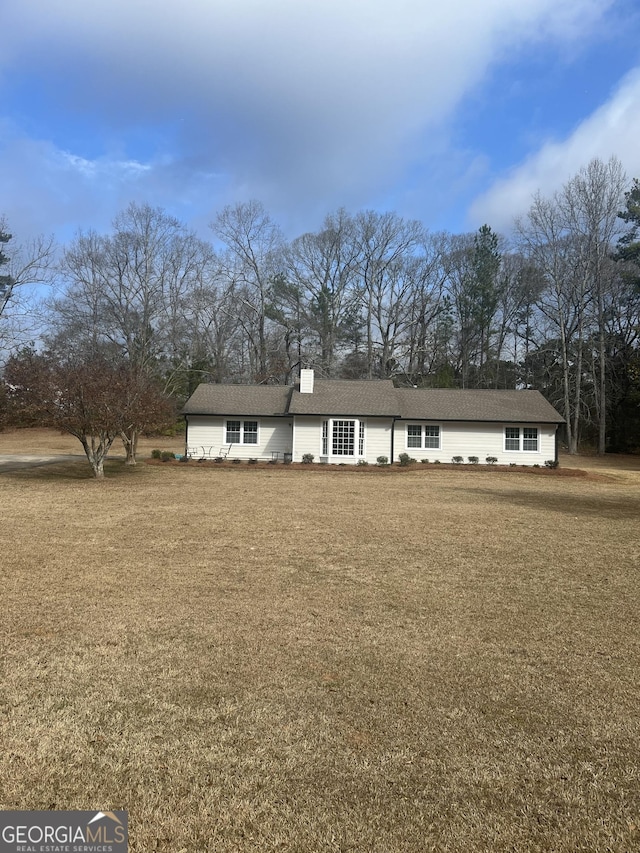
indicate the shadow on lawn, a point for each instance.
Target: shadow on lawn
{"x":114,"y":469}
{"x":618,"y":507}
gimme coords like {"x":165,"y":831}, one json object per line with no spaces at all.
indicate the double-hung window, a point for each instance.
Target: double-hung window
{"x":241,"y":432}
{"x":521,"y":439}
{"x":423,"y":436}
{"x":343,"y":437}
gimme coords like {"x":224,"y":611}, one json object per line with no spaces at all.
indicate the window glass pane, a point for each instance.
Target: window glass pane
{"x":361,"y":439}
{"x":512,"y":438}
{"x":233,"y":432}
{"x":530,"y":440}
{"x":432,"y":436}
{"x":250,"y":432}
{"x":414,"y":435}
{"x":325,"y":437}
{"x":343,"y":438}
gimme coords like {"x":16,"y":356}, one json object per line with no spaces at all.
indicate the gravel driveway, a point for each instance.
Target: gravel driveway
{"x":16,"y":461}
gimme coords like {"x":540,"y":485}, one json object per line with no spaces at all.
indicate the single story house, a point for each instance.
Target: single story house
{"x":339,"y":421}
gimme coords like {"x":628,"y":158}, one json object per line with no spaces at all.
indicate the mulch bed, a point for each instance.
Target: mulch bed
{"x":381,"y":469}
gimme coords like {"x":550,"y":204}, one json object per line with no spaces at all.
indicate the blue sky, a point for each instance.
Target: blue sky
{"x":450,"y":113}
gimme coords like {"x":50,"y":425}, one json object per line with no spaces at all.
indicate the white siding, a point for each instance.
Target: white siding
{"x":476,"y":439}
{"x":275,"y":435}
{"x":308,"y":433}
{"x":308,"y":439}
{"x":208,"y":432}
{"x":378,"y":439}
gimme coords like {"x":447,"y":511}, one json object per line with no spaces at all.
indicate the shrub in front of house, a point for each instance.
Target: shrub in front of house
{"x":219,"y":459}
{"x":404,"y":459}
{"x":382,"y":460}
{"x":362,"y":462}
{"x":458,"y":460}
{"x":473,"y":460}
{"x":551,"y":463}
{"x":166,"y":455}
{"x":425,"y":461}
{"x":491,"y":460}
{"x":237,"y":460}
{"x":156,"y":454}
{"x":307,"y":458}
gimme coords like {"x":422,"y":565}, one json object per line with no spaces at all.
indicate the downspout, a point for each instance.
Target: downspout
{"x":557,"y":446}
{"x":393,"y":433}
{"x":186,"y":435}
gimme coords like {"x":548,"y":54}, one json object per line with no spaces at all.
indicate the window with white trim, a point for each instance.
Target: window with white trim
{"x":423,"y":436}
{"x":522,"y":439}
{"x":341,"y":435}
{"x":343,"y":438}
{"x":241,"y":432}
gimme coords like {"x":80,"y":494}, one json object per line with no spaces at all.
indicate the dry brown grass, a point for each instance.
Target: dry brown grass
{"x":48,"y":441}
{"x":262,"y":660}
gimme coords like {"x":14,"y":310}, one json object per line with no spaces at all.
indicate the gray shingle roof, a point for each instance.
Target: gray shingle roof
{"x":370,"y":398}
{"x":445,"y":404}
{"x":238,"y":400}
{"x":347,"y":397}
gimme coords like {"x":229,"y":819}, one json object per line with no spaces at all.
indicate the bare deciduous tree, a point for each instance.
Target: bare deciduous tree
{"x":91,"y":399}
{"x":569,"y":238}
{"x":126,"y":293}
{"x":324,"y":268}
{"x":254,"y":245}
{"x":21,"y":267}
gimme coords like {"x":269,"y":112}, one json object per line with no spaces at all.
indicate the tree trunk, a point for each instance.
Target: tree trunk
{"x":575,"y":431}
{"x":98,"y":467}
{"x":566,"y":389}
{"x":96,"y":452}
{"x":130,"y":441}
{"x":602,"y":353}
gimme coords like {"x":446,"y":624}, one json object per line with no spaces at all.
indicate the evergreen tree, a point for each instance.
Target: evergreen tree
{"x":628,"y":248}
{"x":6,"y":282}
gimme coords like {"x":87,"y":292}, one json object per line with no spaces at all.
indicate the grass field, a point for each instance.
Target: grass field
{"x":348,"y":660}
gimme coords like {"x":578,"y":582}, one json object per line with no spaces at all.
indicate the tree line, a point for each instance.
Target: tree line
{"x":368,"y":295}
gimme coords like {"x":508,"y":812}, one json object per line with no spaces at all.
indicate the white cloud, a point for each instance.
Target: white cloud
{"x":102,"y":168}
{"x":49,"y":189}
{"x":299,"y":103}
{"x":613,"y":129}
